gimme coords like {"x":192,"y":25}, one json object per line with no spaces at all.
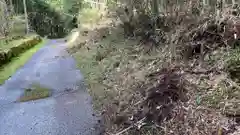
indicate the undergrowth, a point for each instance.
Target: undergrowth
{"x":141,"y":88}
{"x":9,"y":69}
{"x":97,"y":60}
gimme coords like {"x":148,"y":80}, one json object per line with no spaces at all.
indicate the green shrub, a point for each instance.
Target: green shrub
{"x":8,"y":54}
{"x":2,"y":57}
{"x":44,"y":19}
{"x":15,"y":49}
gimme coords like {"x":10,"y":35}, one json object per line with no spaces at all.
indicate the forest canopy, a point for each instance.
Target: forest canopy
{"x":45,"y":19}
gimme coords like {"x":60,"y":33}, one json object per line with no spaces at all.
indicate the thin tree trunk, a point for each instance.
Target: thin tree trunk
{"x":205,"y":5}
{"x":234,"y":2}
{"x":12,"y":7}
{"x":6,"y":15}
{"x":162,"y":5}
{"x":155,"y":9}
{"x":219,"y":9}
{"x":2,"y":18}
{"x":224,"y":3}
{"x":10,"y":14}
{"x":26,"y":15}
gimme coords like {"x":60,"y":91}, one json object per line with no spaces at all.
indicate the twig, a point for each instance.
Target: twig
{"x":123,"y":131}
{"x":203,"y":72}
{"x":126,"y":129}
{"x":233,"y":83}
{"x":139,"y":102}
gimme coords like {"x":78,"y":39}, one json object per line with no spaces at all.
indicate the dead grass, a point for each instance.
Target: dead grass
{"x":122,"y":74}
{"x":35,"y":92}
{"x":97,"y":58}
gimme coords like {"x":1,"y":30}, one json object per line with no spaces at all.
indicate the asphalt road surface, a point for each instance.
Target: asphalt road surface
{"x":67,"y":112}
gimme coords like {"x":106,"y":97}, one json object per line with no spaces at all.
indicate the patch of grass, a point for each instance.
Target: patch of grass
{"x":232,"y":64}
{"x":213,"y":98}
{"x":98,"y":59}
{"x":225,"y":95}
{"x":35,"y":92}
{"x":9,"y":69}
{"x":6,"y":45}
{"x":224,"y":98}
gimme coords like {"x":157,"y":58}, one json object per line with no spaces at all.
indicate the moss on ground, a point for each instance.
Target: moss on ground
{"x":35,"y":92}
{"x":16,"y":47}
{"x":10,"y":68}
{"x":14,"y":41}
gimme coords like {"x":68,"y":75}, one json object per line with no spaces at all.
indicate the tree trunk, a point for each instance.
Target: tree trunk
{"x":2,"y":19}
{"x":206,"y":2}
{"x":10,"y":6}
{"x":234,"y":2}
{"x":181,"y":5}
{"x":155,"y":9}
{"x":26,"y":15}
{"x":219,"y":9}
{"x":5,"y":18}
{"x":162,"y":5}
{"x":224,"y":3}
{"x":205,"y":5}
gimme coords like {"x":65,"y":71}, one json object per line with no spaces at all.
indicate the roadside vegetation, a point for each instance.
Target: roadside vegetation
{"x":8,"y":69}
{"x":35,"y":92}
{"x":170,"y":68}
{"x":152,"y":66}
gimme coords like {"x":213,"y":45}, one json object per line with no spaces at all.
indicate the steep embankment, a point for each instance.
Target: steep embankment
{"x":142,"y":88}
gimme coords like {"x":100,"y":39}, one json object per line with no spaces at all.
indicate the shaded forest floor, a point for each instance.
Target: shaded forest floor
{"x":141,"y":88}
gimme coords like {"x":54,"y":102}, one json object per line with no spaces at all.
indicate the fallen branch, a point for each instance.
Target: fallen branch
{"x":123,"y":131}
{"x":233,"y":83}
{"x":126,"y":129}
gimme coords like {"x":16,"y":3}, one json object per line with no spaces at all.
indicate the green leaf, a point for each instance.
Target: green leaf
{"x":198,"y":100}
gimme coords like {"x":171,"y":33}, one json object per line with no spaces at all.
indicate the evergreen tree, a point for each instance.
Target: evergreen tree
{"x":44,"y":19}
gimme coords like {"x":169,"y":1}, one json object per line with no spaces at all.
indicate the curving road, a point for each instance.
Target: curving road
{"x":67,"y":112}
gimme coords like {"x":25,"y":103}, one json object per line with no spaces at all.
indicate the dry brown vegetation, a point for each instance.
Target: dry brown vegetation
{"x":179,"y":76}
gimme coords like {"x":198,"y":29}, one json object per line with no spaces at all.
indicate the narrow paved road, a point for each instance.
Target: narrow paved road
{"x":67,"y":112}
